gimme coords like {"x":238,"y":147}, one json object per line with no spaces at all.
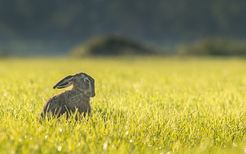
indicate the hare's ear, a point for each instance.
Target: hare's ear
{"x":67,"y":81}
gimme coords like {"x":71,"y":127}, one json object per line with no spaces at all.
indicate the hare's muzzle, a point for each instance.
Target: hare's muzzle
{"x":93,"y":94}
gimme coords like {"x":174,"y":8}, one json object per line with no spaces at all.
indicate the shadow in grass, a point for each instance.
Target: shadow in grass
{"x":111,"y":116}
{"x":71,"y":119}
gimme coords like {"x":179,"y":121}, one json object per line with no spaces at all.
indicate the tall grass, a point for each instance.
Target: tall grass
{"x":148,"y":105}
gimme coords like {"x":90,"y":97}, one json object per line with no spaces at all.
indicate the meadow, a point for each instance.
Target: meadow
{"x":142,"y":105}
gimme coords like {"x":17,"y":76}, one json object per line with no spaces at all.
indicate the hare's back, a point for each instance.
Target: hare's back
{"x":55,"y":105}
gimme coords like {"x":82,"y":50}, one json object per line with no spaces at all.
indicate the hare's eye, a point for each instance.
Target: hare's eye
{"x":87,"y":83}
{"x":86,"y":80}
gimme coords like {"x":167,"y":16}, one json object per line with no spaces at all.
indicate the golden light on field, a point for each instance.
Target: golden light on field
{"x":141,"y":105}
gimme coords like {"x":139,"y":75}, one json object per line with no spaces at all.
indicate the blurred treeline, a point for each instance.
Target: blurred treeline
{"x":59,"y":25}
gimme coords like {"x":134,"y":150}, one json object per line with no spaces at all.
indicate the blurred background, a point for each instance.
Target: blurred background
{"x":122,"y":27}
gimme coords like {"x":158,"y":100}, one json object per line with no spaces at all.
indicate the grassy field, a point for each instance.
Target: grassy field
{"x":149,"y":105}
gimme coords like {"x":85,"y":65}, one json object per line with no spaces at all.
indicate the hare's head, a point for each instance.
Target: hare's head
{"x":81,"y":81}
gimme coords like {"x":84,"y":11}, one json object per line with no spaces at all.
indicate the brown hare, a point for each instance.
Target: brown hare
{"x":76,"y":100}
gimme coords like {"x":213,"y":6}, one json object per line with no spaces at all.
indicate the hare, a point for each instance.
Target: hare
{"x":76,"y":100}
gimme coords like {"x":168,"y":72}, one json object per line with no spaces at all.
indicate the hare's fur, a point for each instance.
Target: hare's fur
{"x":76,"y":100}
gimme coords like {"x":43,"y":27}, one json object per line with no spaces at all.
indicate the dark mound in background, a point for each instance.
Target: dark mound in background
{"x":112,"y":45}
{"x":214,"y":47}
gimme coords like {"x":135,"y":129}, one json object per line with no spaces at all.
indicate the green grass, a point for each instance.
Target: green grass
{"x":148,"y":105}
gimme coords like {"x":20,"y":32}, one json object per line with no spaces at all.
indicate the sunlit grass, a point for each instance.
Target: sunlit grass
{"x":149,"y":105}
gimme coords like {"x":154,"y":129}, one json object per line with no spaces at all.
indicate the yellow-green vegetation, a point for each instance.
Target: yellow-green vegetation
{"x":142,"y":105}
